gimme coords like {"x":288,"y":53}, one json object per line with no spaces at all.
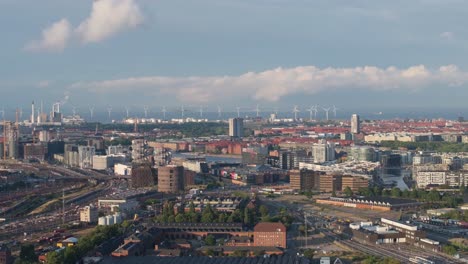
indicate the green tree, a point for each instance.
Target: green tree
{"x":222,"y":218}
{"x":348,"y":192}
{"x":240,"y":253}
{"x":309,"y":253}
{"x":396,"y":192}
{"x":210,"y":240}
{"x":433,"y":196}
{"x":126,"y":224}
{"x":263,"y":210}
{"x":180,"y":218}
{"x":70,"y":255}
{"x":171,"y":219}
{"x":449,"y":250}
{"x":192,"y":208}
{"x":208,"y":215}
{"x":55,"y":257}
{"x":248,"y":217}
{"x":27,"y":253}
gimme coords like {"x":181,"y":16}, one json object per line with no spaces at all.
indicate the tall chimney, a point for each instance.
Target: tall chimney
{"x":33,"y":112}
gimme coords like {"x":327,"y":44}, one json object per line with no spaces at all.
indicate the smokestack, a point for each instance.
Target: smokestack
{"x":33,"y":112}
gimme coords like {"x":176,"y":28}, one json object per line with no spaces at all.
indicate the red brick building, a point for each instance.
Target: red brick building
{"x":270,"y":235}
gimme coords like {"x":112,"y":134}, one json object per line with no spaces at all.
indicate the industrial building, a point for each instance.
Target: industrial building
{"x":170,"y":179}
{"x":371,"y":203}
{"x":85,"y":156}
{"x":392,"y":232}
{"x":89,"y":214}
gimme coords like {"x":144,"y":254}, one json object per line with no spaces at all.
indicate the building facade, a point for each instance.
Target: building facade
{"x":355,"y":124}
{"x":236,"y":127}
{"x":270,"y":235}
{"x":170,"y":179}
{"x":89,"y":214}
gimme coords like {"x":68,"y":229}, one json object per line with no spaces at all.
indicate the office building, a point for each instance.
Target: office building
{"x":89,"y":214}
{"x":305,"y":180}
{"x":355,"y":125}
{"x":330,"y":183}
{"x":170,"y":179}
{"x":323,"y":151}
{"x":236,"y":127}
{"x":354,"y":182}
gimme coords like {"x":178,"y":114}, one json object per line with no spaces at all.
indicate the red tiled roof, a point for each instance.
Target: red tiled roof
{"x":270,"y":227}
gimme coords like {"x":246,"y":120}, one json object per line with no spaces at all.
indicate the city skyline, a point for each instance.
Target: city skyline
{"x":362,"y":54}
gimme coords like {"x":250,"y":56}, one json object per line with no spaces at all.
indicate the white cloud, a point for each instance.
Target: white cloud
{"x":107,"y":18}
{"x":447,"y":35}
{"x":44,"y":84}
{"x":272,"y":85}
{"x":54,"y":38}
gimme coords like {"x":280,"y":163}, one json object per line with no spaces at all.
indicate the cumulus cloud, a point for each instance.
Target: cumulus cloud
{"x":272,"y":85}
{"x":54,"y":38}
{"x":107,"y":18}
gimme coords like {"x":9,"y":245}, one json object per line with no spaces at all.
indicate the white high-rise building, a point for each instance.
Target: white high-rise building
{"x":355,"y":125}
{"x":323,"y":151}
{"x":236,"y":127}
{"x":139,"y":147}
{"x":85,"y":156}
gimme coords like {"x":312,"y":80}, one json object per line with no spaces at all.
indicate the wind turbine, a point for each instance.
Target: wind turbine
{"x":257,"y":110}
{"x":326,"y":111}
{"x":311,"y":111}
{"x":91,"y":112}
{"x":201,"y":111}
{"x":315,"y":111}
{"x":164,"y":112}
{"x":127,"y":110}
{"x":109,"y":111}
{"x":219,"y":111}
{"x":3,"y":113}
{"x":238,"y":111}
{"x":295,"y":111}
{"x":74,"y":111}
{"x":145,"y":108}
{"x":182,"y":110}
{"x":334,"y":110}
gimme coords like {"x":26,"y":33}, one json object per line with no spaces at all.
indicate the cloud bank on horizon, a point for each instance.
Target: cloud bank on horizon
{"x":272,"y":85}
{"x":107,"y":18}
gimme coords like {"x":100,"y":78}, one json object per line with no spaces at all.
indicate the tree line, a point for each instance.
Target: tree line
{"x":245,"y":215}
{"x":432,"y":196}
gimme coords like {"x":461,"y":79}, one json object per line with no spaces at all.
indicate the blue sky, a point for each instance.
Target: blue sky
{"x":235,"y":53}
